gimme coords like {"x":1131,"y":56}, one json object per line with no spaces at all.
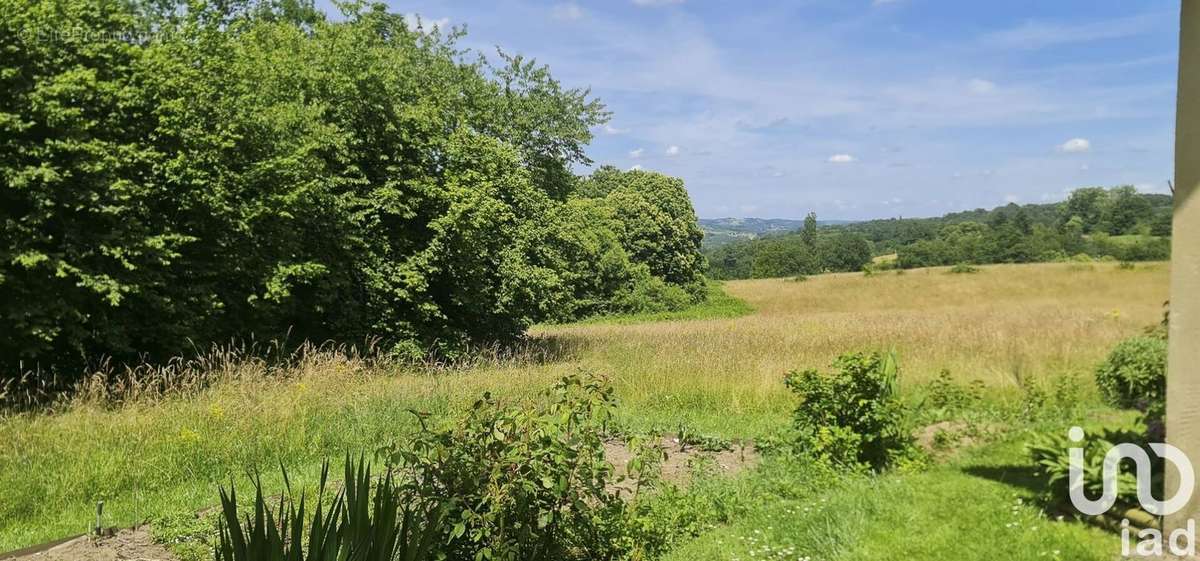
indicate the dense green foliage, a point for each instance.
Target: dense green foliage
{"x":519,"y":482}
{"x":1050,"y":455}
{"x":176,"y":174}
{"x":790,"y":255}
{"x":365,"y":521}
{"x":1134,"y":376}
{"x":1118,"y":223}
{"x":852,"y":416}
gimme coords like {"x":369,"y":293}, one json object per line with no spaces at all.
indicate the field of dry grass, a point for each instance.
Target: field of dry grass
{"x":998,"y":325}
{"x":721,"y":376}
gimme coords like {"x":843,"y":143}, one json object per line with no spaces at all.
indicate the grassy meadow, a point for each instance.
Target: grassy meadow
{"x":717,"y":370}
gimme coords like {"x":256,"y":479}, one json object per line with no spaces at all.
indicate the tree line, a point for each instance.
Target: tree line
{"x":1117,"y":223}
{"x":182,"y":173}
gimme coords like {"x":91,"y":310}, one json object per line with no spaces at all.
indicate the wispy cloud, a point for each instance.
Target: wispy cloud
{"x":1039,"y":34}
{"x":841,"y":159}
{"x":766,"y":89}
{"x":569,"y":11}
{"x":981,"y":86}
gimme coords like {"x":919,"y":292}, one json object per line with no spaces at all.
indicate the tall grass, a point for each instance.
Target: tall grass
{"x":148,"y":451}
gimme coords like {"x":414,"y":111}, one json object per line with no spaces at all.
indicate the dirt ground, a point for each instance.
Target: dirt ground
{"x":126,"y":545}
{"x":677,"y":467}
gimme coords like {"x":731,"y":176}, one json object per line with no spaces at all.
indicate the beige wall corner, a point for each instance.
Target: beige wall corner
{"x":1183,"y":366}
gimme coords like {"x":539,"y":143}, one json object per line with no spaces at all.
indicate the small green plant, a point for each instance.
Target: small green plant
{"x":943,"y":440}
{"x":949,"y":397}
{"x":964,"y":269}
{"x":357,"y":524}
{"x":852,"y":416}
{"x":689,"y":438}
{"x":645,"y":465}
{"x":1127,"y":266}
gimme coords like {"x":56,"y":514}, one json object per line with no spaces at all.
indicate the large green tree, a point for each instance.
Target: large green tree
{"x":656,"y":222}
{"x":178,"y":173}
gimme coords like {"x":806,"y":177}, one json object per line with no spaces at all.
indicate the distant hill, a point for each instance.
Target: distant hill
{"x":1117,"y":223}
{"x":721,"y":231}
{"x":889,"y":234}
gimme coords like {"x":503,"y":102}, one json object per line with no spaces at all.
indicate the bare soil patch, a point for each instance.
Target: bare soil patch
{"x":681,"y":462}
{"x":126,"y":545}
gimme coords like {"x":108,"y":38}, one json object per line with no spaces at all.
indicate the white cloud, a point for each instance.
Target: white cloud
{"x":656,"y":2}
{"x":609,"y":129}
{"x":841,"y":159}
{"x":1035,"y":34}
{"x":673,"y":150}
{"x":635,"y":167}
{"x":637,"y":152}
{"x":1075,"y":145}
{"x":568,"y":12}
{"x":415,"y":20}
{"x":981,"y":86}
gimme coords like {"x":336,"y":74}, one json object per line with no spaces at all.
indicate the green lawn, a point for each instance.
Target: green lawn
{"x":980,"y":507}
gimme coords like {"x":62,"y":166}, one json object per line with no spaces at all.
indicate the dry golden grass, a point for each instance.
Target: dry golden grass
{"x":721,"y":376}
{"x":998,"y":325}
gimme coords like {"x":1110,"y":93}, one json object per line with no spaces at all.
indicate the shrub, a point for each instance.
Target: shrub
{"x":650,"y":294}
{"x":364,"y":521}
{"x":964,"y":269}
{"x":523,"y":483}
{"x":851,"y":416}
{"x":1134,"y":375}
{"x":1050,"y":455}
{"x":948,"y":397}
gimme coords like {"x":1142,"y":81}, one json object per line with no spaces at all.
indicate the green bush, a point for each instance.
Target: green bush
{"x":851,"y":416}
{"x":520,"y":483}
{"x":650,"y":294}
{"x":1134,"y":375}
{"x":963,"y":269}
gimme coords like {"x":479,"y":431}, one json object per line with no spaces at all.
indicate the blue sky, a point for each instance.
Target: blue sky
{"x":859,"y":108}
